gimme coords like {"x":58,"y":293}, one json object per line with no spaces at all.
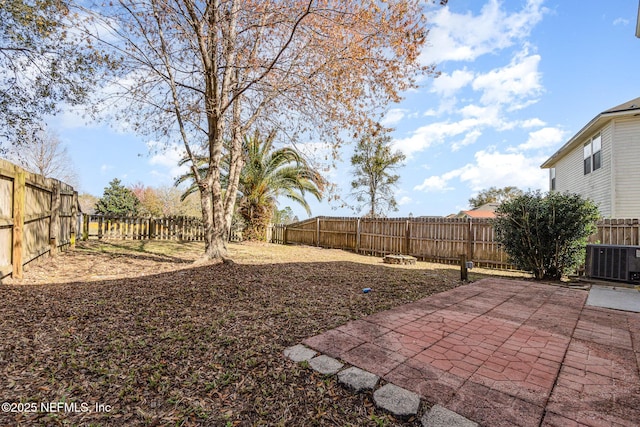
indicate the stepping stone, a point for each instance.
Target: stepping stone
{"x":325,"y":365}
{"x":357,"y":379}
{"x":397,"y":400}
{"x":299,"y":353}
{"x":439,"y":416}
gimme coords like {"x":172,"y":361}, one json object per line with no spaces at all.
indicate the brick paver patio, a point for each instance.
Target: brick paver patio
{"x":504,"y":353}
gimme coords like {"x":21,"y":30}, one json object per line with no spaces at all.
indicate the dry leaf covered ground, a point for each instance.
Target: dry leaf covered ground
{"x":132,"y":333}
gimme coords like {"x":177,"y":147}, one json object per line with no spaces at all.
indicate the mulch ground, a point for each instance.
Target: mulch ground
{"x":137,"y":328}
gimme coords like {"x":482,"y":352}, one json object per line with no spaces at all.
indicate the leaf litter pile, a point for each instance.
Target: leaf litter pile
{"x":153,"y":339}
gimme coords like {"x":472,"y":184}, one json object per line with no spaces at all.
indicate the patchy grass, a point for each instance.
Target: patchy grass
{"x":135,"y":326}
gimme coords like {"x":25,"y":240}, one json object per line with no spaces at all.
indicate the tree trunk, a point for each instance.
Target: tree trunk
{"x":235,"y":168}
{"x":215,"y":245}
{"x":372,"y":212}
{"x":257,"y":219}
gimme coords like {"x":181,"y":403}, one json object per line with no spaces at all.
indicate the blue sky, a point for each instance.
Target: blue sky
{"x":518,"y":79}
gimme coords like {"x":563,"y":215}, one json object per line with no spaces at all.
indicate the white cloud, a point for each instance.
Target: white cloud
{"x":468,"y":139}
{"x":167,"y":158}
{"x":475,"y":118}
{"x":393,"y":116}
{"x":434,"y":133}
{"x":404,"y":200}
{"x":493,"y":169}
{"x":532,"y":123}
{"x":512,"y":85}
{"x":465,"y":37}
{"x":543,"y":138}
{"x":448,"y":84}
{"x":434,"y":184}
{"x":501,"y":90}
{"x":621,"y":21}
{"x":71,"y":117}
{"x":487,"y":115}
{"x":402,"y":197}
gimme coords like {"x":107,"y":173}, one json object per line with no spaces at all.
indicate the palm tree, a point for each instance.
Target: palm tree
{"x":267,"y":174}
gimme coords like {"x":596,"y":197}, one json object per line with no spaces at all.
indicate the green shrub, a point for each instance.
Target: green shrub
{"x":546,"y":233}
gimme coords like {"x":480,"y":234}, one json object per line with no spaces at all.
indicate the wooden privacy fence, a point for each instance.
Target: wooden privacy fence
{"x":138,"y":228}
{"x":431,"y":239}
{"x":37,"y":216}
{"x":435,"y":239}
{"x":180,"y":228}
{"x":617,"y":232}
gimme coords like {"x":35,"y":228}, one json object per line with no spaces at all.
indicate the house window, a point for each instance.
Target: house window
{"x":587,"y":158}
{"x":596,"y":144}
{"x":592,"y":157}
{"x":552,"y":173}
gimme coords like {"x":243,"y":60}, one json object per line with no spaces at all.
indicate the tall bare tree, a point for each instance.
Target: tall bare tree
{"x":373,"y":179}
{"x":208,"y":72}
{"x":43,"y":152}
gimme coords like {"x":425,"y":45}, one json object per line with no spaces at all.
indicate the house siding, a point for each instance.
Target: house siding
{"x":627,"y":171}
{"x":596,"y":185}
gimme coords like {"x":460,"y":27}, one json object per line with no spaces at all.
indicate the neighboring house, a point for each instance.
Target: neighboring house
{"x":487,"y":210}
{"x":601,"y":162}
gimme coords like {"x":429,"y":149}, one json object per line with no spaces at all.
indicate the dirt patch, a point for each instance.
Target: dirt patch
{"x":136,"y":328}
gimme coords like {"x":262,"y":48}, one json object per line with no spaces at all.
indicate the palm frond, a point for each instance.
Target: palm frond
{"x":268,"y":173}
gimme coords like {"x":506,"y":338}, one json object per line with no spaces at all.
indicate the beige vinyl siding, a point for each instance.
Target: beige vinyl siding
{"x":627,"y":168}
{"x":595,"y":185}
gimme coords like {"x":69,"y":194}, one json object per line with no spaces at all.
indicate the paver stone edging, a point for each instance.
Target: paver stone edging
{"x":326,"y":365}
{"x":357,"y":379}
{"x":396,"y":400}
{"x":440,"y":416}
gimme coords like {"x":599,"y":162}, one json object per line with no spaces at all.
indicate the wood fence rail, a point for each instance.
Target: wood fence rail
{"x":182,"y":228}
{"x":37,"y":216}
{"x":435,"y":239}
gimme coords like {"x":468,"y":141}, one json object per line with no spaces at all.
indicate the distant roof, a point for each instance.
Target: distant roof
{"x":479,"y":214}
{"x":491,"y":206}
{"x":629,"y":107}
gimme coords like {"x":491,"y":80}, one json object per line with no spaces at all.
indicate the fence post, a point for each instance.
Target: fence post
{"x":470,"y":239}
{"x":18,"y":221}
{"x":86,"y":218}
{"x":318,"y":231}
{"x":464,"y":274}
{"x":100,"y":222}
{"x":407,"y":238}
{"x":358,"y":235}
{"x":54,"y":218}
{"x":73,"y":222}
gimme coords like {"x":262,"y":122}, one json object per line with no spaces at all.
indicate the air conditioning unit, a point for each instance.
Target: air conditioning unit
{"x":614,"y":262}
